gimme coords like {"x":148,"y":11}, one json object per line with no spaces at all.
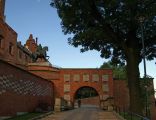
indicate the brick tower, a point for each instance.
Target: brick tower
{"x":2,"y":9}
{"x":31,"y":44}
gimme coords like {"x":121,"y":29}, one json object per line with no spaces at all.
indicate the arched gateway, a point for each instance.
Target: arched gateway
{"x":84,"y":83}
{"x":86,"y":92}
{"x":87,"y":96}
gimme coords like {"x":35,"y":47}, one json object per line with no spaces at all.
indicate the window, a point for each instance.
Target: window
{"x":66,"y":77}
{"x":76,"y":77}
{"x":86,"y":77}
{"x":66,"y":88}
{"x":95,"y":77}
{"x":11,"y":48}
{"x":1,"y":42}
{"x":20,"y":54}
{"x":26,"y":58}
{"x":105,"y":77}
{"x":105,"y":87}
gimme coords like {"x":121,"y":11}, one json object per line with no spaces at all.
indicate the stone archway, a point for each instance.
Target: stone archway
{"x":88,"y":96}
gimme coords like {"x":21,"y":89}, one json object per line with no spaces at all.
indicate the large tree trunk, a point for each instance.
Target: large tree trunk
{"x":132,"y":56}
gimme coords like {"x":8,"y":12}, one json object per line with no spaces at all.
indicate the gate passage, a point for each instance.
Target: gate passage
{"x":86,"y":84}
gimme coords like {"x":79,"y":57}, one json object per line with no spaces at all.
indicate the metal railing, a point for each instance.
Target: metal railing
{"x":127,"y":115}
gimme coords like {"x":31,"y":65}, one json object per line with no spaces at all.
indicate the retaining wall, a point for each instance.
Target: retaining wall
{"x":21,"y":91}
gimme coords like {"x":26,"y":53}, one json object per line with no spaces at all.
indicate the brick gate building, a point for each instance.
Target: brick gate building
{"x":73,"y":79}
{"x":68,"y":80}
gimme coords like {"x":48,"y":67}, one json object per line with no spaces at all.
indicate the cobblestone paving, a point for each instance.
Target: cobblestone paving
{"x":83,"y":113}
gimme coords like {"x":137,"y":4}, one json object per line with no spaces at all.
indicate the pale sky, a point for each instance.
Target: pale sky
{"x":40,"y":19}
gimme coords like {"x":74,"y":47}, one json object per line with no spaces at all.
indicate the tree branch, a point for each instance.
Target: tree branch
{"x":115,"y":38}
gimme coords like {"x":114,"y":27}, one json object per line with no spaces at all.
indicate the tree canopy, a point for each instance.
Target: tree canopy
{"x":119,"y":72}
{"x":113,"y":27}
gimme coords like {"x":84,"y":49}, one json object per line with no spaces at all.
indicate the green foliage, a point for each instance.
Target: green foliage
{"x":119,"y":71}
{"x":109,"y":25}
{"x":147,"y":92}
{"x":27,"y":116}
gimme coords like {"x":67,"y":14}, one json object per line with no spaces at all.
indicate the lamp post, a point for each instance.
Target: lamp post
{"x":141,"y":20}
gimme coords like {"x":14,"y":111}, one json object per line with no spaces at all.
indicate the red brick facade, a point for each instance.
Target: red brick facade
{"x":99,"y":79}
{"x":91,"y":101}
{"x":121,"y":94}
{"x":11,"y":50}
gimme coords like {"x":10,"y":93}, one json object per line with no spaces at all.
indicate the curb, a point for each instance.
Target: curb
{"x":41,"y":116}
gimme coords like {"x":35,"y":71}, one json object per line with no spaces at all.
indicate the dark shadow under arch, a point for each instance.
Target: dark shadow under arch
{"x":86,"y":92}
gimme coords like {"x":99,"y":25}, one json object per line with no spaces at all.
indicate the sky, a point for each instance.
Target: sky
{"x":37,"y":17}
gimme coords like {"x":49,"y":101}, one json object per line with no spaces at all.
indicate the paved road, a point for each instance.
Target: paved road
{"x":83,"y":113}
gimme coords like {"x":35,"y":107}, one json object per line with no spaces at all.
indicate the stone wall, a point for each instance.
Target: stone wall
{"x":21,"y":91}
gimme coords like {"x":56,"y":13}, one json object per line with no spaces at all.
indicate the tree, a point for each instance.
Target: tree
{"x":112,"y":28}
{"x":119,"y":71}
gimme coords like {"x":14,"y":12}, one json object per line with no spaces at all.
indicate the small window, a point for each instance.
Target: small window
{"x":95,"y":77}
{"x":105,"y":87}
{"x":20,"y":54}
{"x":76,"y":77}
{"x":105,"y":77}
{"x":26,"y":58}
{"x":1,"y":42}
{"x":66,"y":77}
{"x":66,"y":88}
{"x":11,"y":48}
{"x":86,"y":77}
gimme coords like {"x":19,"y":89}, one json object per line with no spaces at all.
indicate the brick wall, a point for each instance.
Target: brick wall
{"x":47,"y":71}
{"x":121,"y":93}
{"x":21,"y":91}
{"x":153,"y":110}
{"x":91,"y":101}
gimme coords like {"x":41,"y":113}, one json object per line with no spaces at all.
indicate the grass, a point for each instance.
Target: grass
{"x":25,"y":116}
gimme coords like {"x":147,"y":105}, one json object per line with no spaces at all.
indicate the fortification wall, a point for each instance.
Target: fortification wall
{"x":22,"y":91}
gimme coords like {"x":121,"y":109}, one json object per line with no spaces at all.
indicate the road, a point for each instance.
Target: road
{"x":83,"y":113}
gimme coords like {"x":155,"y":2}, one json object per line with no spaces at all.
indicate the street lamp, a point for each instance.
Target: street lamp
{"x":141,"y":20}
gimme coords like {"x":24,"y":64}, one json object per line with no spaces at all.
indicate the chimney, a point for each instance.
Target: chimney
{"x":36,"y":41}
{"x":2,"y":9}
{"x":19,"y":42}
{"x":31,"y":36}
